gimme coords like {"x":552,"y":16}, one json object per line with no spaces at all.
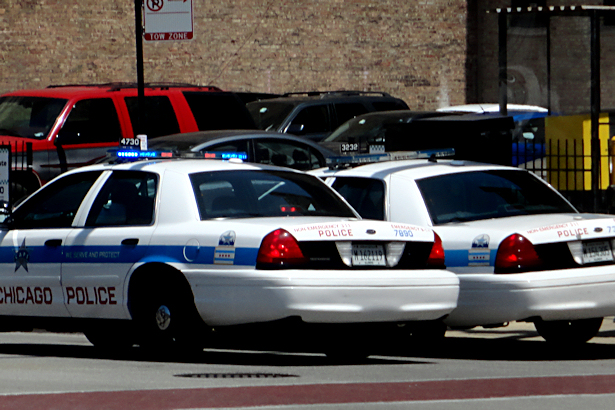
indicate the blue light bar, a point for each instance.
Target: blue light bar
{"x":350,"y":160}
{"x":135,"y":155}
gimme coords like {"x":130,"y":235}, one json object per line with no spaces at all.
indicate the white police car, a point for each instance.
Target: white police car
{"x":164,"y":246}
{"x":522,"y":252}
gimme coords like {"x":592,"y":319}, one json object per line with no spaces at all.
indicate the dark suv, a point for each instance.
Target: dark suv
{"x":74,"y":125}
{"x":317,"y":114}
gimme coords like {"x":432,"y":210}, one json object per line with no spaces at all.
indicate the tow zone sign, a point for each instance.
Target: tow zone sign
{"x":167,"y":20}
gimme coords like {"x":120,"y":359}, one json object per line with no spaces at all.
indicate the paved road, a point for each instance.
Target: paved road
{"x":502,"y":368}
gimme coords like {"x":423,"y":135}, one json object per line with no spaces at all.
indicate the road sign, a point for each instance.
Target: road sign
{"x":5,"y":166}
{"x":168,"y":20}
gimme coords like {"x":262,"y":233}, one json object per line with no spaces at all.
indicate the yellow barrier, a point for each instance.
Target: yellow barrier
{"x":569,"y":160}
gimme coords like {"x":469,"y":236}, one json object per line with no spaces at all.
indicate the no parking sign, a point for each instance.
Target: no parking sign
{"x":5,"y":166}
{"x":168,"y":20}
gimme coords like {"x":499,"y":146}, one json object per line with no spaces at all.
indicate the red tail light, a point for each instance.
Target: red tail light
{"x":280,"y":248}
{"x":436,"y":256}
{"x":516,"y":254}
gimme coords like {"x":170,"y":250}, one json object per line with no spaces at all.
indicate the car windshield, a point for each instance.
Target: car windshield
{"x":478,"y":195}
{"x":29,"y":117}
{"x":269,"y":115}
{"x":241,"y":194}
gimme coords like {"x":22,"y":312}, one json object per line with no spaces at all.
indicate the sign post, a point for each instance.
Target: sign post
{"x":168,"y":20}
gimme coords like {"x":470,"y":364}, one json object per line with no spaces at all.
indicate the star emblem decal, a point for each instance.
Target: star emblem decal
{"x":22,"y":256}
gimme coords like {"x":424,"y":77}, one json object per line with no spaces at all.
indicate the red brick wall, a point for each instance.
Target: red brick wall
{"x":570,"y":60}
{"x":413,"y":49}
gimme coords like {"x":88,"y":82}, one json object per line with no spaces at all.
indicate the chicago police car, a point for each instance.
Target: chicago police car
{"x":156,"y":249}
{"x":521,"y":251}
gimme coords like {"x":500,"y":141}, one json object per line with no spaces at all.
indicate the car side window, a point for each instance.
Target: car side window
{"x":347,"y":111}
{"x":389,"y":105}
{"x":311,"y":120}
{"x":127,"y":198}
{"x":218,"y":111}
{"x":90,"y":121}
{"x":56,"y":205}
{"x":158,"y":116}
{"x":287,"y":154}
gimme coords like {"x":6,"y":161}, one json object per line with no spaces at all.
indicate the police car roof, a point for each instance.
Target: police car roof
{"x":412,"y":168}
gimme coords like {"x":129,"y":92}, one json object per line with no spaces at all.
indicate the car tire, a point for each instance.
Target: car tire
{"x":568,"y":331}
{"x":166,"y":320}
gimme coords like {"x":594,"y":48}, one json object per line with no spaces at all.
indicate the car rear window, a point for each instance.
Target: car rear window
{"x":365,"y":195}
{"x":242,"y":193}
{"x":158,"y":116}
{"x":471,"y":196}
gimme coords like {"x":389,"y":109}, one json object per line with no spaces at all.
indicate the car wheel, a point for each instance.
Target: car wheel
{"x":568,"y":331}
{"x":166,"y":318}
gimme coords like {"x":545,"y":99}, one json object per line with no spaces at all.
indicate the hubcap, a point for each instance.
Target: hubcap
{"x":163,"y":317}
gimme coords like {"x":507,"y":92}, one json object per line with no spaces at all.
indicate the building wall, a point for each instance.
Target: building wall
{"x":570,"y":76}
{"x":413,"y":49}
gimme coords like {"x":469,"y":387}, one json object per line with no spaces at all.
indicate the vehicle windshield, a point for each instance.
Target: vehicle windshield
{"x":478,"y":195}
{"x":366,"y":127}
{"x":269,"y":115}
{"x":242,"y":194}
{"x":29,"y":117}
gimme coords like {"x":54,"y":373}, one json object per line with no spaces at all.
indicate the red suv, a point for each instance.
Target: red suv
{"x":74,"y":125}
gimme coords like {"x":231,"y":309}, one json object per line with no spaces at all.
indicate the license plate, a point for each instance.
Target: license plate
{"x":368,"y":255}
{"x":597,"y":252}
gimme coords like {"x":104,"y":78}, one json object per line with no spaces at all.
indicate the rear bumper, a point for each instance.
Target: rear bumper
{"x":235,"y":296}
{"x":569,"y":294}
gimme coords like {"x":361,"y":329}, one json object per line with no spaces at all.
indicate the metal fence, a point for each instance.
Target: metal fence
{"x":567,"y":166}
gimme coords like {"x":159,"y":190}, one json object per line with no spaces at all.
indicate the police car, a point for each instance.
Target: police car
{"x":522,"y":252}
{"x":159,"y":252}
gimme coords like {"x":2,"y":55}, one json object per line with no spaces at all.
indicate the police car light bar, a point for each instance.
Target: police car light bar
{"x":355,"y":160}
{"x":135,"y":155}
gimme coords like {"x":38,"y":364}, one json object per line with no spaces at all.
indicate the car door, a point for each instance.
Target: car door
{"x":114,"y":236}
{"x":33,"y":244}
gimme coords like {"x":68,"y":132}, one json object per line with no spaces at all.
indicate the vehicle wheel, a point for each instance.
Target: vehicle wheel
{"x":568,"y":331}
{"x":166,"y":318}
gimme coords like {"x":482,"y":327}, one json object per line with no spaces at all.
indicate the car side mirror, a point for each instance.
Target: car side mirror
{"x":5,"y":214}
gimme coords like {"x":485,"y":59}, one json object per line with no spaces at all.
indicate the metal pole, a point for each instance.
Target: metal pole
{"x":595,"y":106}
{"x":549,"y":63}
{"x":140,"y":76}
{"x":503,"y":61}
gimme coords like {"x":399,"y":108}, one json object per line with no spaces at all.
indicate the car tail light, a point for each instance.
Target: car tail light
{"x":516,"y":254}
{"x":280,"y":248}
{"x":436,"y":256}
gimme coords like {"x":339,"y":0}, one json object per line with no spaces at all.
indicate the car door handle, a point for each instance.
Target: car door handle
{"x":53,"y":242}
{"x":130,"y":241}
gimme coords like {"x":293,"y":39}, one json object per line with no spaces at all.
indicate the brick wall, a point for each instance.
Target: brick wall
{"x":413,"y":49}
{"x":570,"y":60}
